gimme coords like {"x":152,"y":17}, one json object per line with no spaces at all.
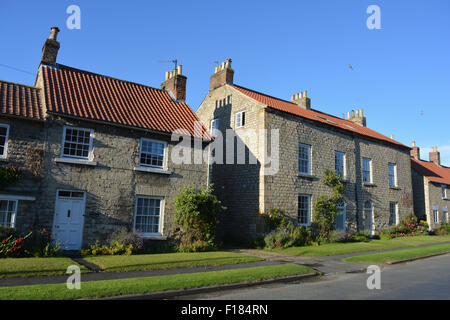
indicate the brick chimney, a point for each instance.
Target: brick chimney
{"x":175,"y":84}
{"x":50,"y":48}
{"x":223,"y":74}
{"x":302,"y":100}
{"x":415,"y":151}
{"x":435,"y":156}
{"x":357,"y":117}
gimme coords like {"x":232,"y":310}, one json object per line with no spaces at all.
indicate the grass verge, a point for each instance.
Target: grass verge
{"x":373,"y":245}
{"x":31,"y":267}
{"x":168,"y":260}
{"x":109,"y":288}
{"x":392,"y":256}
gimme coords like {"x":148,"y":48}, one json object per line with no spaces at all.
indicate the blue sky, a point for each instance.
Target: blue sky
{"x":400,"y":76}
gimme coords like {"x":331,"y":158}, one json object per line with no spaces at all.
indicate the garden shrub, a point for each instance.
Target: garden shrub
{"x":126,"y":237}
{"x":37,"y":243}
{"x":325,"y":207}
{"x":114,"y":248}
{"x":409,"y":226}
{"x":9,"y":176}
{"x":197,"y":246}
{"x":196,"y":213}
{"x":288,"y":234}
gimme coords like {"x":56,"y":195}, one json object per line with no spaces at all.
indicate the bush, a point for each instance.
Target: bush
{"x":273,"y":219}
{"x":9,"y":176}
{"x":126,"y":237}
{"x":197,"y":246}
{"x":6,"y":232}
{"x":114,"y":248}
{"x":288,"y":234}
{"x":36,"y":243}
{"x":409,"y":226}
{"x":40,"y":244}
{"x":196,"y":213}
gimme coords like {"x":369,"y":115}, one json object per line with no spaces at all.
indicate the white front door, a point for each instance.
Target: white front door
{"x":69,"y":219}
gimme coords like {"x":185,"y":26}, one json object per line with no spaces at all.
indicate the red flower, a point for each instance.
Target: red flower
{"x":43,"y":230}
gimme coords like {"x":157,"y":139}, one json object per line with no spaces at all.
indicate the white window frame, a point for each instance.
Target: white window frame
{"x":214,"y":127}
{"x":161,"y":216}
{"x":370,"y":170}
{"x":446,"y":214}
{"x":344,"y":165}
{"x":394,"y":165}
{"x":308,"y":148}
{"x":12,"y":223}
{"x":91,"y":139}
{"x":396,"y":218}
{"x":5,"y":147}
{"x":371,"y":216}
{"x":241,"y":122}
{"x":436,"y":216}
{"x":444,"y":192}
{"x":164,"y":154}
{"x":308,"y":214}
{"x":342,"y":208}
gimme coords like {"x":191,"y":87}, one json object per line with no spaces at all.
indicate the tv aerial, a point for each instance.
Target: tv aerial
{"x":175,"y":62}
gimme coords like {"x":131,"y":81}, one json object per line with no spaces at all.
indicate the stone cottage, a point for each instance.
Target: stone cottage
{"x":376,"y":169}
{"x":431,"y":187}
{"x":105,"y":149}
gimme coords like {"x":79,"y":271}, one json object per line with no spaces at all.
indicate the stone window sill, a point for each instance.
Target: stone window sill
{"x":76,"y":161}
{"x":372,"y":185}
{"x":153,"y":237}
{"x":307,"y":176}
{"x":152,"y":170}
{"x":395,"y":188}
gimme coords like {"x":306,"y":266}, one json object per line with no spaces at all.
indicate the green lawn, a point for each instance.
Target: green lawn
{"x":373,"y":245}
{"x":384,"y":257}
{"x":108,"y":288}
{"x":30,"y":267}
{"x":168,"y":260}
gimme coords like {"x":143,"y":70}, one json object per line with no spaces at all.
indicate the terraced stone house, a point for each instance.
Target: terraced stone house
{"x":431,"y":186}
{"x":94,"y":152}
{"x":376,"y":169}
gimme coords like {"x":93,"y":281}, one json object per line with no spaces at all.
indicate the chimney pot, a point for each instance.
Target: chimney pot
{"x":302,"y":100}
{"x":223,"y":74}
{"x":180,"y":68}
{"x":435,"y":156}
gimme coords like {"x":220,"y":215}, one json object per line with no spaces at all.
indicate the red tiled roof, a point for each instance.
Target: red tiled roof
{"x":314,"y":115}
{"x":20,"y":101}
{"x":87,"y":95}
{"x":431,"y":171}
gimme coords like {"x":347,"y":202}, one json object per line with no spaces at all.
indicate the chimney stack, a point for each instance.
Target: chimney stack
{"x":435,"y":156}
{"x":50,"y":48}
{"x":175,"y":84}
{"x":302,"y":100}
{"x":223,"y":74}
{"x":357,"y":117}
{"x":415,"y":151}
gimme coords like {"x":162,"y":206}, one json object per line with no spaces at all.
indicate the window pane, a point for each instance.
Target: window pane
{"x":367,"y":175}
{"x":303,"y":209}
{"x":77,"y":143}
{"x":152,"y":154}
{"x":8,"y":210}
{"x":147,"y":215}
{"x":303,"y":159}
{"x":339,"y":163}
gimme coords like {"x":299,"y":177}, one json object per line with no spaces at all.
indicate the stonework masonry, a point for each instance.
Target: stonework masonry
{"x":247,"y":191}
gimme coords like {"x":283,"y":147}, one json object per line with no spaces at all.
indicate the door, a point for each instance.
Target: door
{"x":69,"y":219}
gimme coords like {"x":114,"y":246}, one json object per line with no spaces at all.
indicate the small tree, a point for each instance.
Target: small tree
{"x":196,"y":213}
{"x":325,"y":208}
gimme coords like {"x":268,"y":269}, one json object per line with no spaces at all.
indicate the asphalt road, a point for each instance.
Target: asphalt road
{"x":422,"y":279}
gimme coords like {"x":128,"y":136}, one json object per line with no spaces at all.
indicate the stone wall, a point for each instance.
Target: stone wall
{"x":25,"y":151}
{"x":436,"y":202}
{"x":247,"y":192}
{"x":112,"y":184}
